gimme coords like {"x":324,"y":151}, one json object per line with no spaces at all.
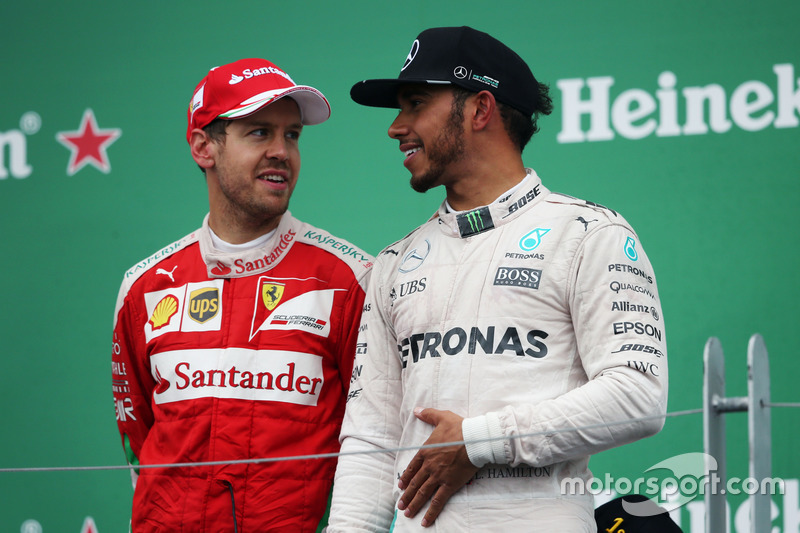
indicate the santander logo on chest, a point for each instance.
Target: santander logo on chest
{"x":237,"y":373}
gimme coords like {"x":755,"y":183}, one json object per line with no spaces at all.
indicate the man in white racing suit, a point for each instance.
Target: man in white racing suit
{"x":523,"y":322}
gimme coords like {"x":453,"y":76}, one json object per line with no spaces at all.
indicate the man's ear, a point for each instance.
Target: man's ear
{"x":485,"y":109}
{"x":202,"y":148}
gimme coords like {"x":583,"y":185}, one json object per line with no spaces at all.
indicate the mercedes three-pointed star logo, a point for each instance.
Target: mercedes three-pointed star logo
{"x":414,"y":259}
{"x":411,"y":54}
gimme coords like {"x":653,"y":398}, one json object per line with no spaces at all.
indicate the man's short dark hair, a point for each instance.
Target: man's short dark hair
{"x":519,"y":127}
{"x":217,"y":129}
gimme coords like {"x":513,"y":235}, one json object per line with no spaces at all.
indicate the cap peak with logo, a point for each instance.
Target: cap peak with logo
{"x":244,"y":87}
{"x":460,"y":56}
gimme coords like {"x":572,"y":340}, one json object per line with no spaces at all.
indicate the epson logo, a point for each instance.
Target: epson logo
{"x":638,"y":328}
{"x":518,"y":277}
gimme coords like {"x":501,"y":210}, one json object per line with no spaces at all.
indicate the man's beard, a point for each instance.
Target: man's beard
{"x":445,"y":150}
{"x":240,"y":203}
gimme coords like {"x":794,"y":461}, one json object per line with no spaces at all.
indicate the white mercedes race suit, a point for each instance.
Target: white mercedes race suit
{"x":538,"y":319}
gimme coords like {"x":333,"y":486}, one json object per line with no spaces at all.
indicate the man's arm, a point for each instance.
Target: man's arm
{"x":365,"y":474}
{"x":132,"y":383}
{"x":351,"y":319}
{"x":625,"y":398}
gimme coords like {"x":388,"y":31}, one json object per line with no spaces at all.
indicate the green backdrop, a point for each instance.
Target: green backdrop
{"x":681,"y":115}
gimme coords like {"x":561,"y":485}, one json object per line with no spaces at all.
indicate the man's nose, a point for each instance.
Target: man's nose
{"x":399,"y":127}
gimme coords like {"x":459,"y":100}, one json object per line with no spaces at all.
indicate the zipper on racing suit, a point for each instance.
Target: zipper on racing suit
{"x":233,"y":506}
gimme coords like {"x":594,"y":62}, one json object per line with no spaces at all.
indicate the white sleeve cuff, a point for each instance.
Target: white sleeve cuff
{"x":477,"y":431}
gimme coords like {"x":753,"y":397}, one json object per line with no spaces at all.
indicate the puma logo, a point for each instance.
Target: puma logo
{"x":162,"y":271}
{"x":585,"y":222}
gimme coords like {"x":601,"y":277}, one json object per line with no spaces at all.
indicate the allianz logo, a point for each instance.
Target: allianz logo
{"x":669,"y":111}
{"x":15,"y":143}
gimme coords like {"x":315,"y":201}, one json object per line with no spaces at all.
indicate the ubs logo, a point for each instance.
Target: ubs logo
{"x":411,"y":287}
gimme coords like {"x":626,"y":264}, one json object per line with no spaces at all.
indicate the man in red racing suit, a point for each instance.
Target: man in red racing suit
{"x":228,"y":351}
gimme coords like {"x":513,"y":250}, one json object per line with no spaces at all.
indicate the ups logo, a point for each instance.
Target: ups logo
{"x":203,"y":304}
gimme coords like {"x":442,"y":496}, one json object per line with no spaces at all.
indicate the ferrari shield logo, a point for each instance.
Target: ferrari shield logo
{"x":271,"y":294}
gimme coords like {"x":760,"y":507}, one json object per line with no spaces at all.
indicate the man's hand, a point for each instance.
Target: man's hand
{"x":435,"y":474}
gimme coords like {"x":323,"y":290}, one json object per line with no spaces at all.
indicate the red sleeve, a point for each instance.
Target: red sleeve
{"x":132,"y":383}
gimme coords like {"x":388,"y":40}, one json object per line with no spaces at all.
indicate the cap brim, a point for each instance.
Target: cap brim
{"x":383,"y":93}
{"x":314,"y":107}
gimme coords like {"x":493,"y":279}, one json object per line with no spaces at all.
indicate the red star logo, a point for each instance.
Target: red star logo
{"x":88,"y":145}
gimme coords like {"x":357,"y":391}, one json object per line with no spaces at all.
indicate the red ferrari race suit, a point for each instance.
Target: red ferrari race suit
{"x":531,"y":317}
{"x":223,"y":356}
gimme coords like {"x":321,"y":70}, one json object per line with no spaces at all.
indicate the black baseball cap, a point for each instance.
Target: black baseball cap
{"x":653,"y":519}
{"x":460,"y":56}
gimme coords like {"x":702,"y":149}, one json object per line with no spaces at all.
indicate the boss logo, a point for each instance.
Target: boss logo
{"x":518,"y":277}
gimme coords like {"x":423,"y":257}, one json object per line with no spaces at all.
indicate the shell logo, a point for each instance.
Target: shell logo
{"x":164,"y":311}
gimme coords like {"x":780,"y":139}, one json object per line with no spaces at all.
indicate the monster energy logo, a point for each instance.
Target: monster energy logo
{"x":474,"y":222}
